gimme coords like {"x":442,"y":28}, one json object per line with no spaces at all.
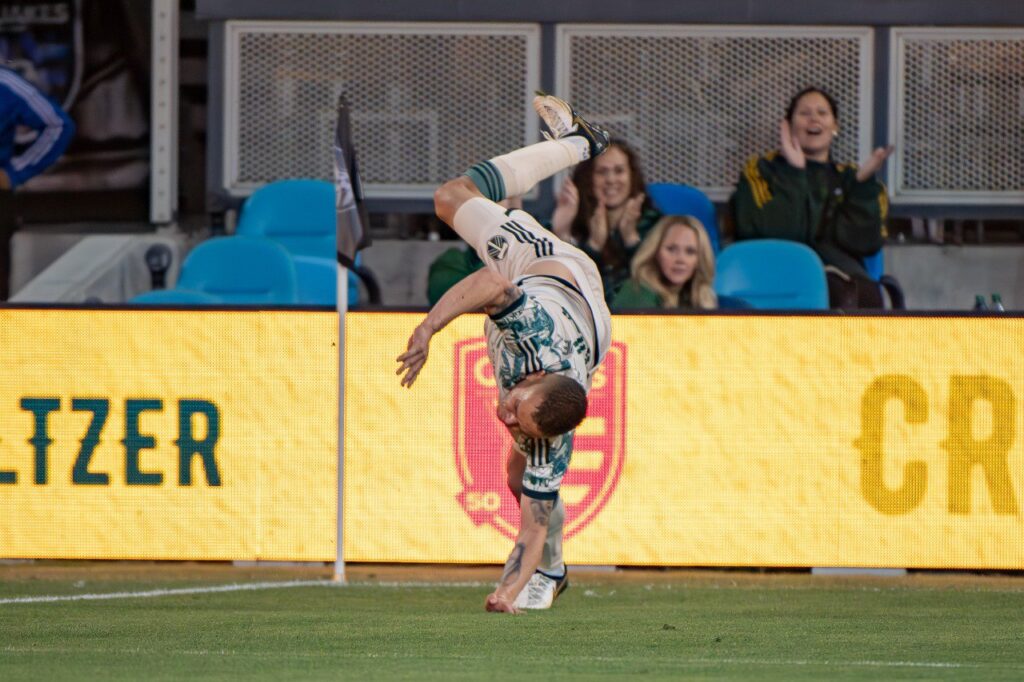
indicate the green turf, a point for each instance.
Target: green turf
{"x":605,"y":627}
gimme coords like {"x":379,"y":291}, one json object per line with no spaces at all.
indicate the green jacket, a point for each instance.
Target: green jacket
{"x":448,"y":269}
{"x":823,"y":206}
{"x":633,"y":294}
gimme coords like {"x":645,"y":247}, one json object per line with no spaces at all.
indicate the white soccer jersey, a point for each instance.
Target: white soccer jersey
{"x":555,"y":326}
{"x":548,"y":328}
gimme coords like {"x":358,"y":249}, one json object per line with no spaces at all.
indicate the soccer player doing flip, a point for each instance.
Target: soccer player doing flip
{"x":548,"y":330}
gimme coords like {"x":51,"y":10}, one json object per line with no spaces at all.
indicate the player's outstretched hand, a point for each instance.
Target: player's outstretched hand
{"x":496,"y":604}
{"x":415,"y":356}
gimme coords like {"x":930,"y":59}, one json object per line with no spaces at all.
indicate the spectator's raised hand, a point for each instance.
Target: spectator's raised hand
{"x":789,"y":147}
{"x":598,"y":226}
{"x":631,"y":212}
{"x":873,"y":163}
{"x":566,"y":206}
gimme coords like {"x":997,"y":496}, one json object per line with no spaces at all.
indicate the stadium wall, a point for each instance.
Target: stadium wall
{"x":913,"y":12}
{"x":712,"y":440}
{"x":937,"y":171}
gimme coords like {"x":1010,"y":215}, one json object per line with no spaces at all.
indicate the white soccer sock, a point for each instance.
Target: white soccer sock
{"x":523,"y":168}
{"x":515,"y":173}
{"x":551,"y":562}
{"x":476,"y":220}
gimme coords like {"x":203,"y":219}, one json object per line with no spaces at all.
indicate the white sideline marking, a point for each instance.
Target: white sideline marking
{"x":682,"y":663}
{"x":424,"y":583}
{"x":236,"y":587}
{"x":832,"y":664}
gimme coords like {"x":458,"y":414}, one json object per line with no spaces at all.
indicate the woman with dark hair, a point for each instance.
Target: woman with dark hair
{"x":605,"y":211}
{"x":800,"y":193}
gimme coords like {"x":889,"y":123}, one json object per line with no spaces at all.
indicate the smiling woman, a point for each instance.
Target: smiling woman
{"x":800,"y":193}
{"x":604,"y":210}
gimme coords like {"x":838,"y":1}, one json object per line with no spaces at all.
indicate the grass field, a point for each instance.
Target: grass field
{"x":424,"y":623}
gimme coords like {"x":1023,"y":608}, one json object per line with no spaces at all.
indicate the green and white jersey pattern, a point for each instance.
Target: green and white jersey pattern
{"x":548,"y":329}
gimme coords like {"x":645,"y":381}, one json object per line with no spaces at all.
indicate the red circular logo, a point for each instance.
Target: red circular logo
{"x":481,"y":443}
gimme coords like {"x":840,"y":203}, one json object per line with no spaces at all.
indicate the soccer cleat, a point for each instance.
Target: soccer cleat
{"x":562,"y":120}
{"x":541,"y":591}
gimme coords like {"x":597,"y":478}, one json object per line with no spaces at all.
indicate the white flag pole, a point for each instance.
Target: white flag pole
{"x":339,"y":553}
{"x":344,"y":204}
{"x":351,"y":236}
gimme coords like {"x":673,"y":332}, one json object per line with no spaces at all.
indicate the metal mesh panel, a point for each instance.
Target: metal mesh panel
{"x":428,"y":101}
{"x":698,"y":102}
{"x":960,"y":120}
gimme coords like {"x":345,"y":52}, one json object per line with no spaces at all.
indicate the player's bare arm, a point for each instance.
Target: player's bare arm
{"x":515,"y":466}
{"x":483,"y":290}
{"x":525,"y":556}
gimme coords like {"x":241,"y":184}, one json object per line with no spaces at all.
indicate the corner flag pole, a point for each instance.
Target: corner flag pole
{"x":339,"y":550}
{"x":340,"y":178}
{"x":351,"y":236}
{"x":339,"y":556}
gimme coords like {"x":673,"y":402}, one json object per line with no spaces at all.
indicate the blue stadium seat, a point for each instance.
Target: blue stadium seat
{"x":297,"y":214}
{"x":241,"y":270}
{"x":675,"y":199}
{"x":175,"y":297}
{"x":772,"y":274}
{"x":875,"y":265}
{"x":732,"y":303}
{"x":318,"y":281}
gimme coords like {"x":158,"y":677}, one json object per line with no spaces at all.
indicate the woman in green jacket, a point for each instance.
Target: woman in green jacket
{"x":674,"y":267}
{"x":800,"y":193}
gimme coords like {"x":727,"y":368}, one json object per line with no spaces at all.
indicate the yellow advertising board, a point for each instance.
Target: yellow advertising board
{"x":149,"y":434}
{"x":711,"y":440}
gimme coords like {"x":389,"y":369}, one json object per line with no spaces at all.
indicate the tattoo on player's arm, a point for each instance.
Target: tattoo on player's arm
{"x":503,"y":298}
{"x":511,"y":293}
{"x":542,"y":510}
{"x":514,"y":565}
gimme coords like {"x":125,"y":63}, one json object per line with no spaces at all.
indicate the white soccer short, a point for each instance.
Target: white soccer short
{"x":555,"y":326}
{"x":511,"y":241}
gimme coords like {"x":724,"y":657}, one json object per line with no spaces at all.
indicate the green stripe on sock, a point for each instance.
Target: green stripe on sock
{"x":488,"y":180}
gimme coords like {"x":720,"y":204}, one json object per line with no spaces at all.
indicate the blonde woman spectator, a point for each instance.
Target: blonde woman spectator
{"x":674,"y":267}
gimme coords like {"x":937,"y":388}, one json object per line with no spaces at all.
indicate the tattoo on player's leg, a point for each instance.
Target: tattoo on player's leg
{"x":542,"y":510}
{"x":514,"y":565}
